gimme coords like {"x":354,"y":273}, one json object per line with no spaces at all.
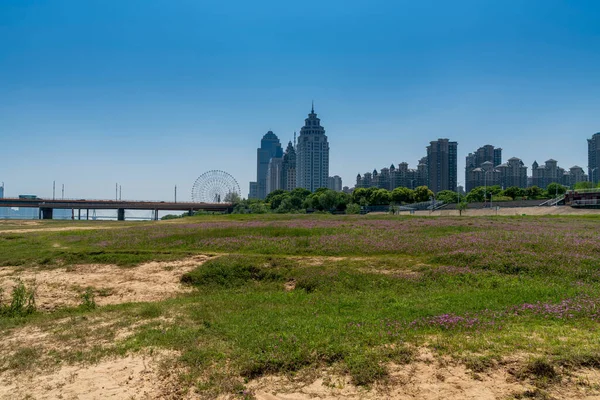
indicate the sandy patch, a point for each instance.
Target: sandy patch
{"x":61,"y":287}
{"x":133,"y":377}
{"x":426,"y":381}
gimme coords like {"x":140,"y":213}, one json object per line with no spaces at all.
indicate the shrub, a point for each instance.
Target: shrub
{"x":88,"y":299}
{"x":231,"y":271}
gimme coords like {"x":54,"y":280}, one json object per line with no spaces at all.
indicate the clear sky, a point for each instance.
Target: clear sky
{"x":151,"y":94}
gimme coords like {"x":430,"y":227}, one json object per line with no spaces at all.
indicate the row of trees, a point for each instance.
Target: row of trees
{"x":323,"y":199}
{"x":299,"y":199}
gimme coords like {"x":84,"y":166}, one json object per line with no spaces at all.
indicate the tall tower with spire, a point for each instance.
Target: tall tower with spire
{"x":312,"y":154}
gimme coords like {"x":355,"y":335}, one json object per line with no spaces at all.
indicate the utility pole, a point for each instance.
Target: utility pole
{"x":53,"y":190}
{"x":175,"y":193}
{"x":116,"y":191}
{"x":119,"y":192}
{"x":63,"y":191}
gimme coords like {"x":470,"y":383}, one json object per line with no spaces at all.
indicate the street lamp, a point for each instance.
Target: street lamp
{"x":485,"y":172}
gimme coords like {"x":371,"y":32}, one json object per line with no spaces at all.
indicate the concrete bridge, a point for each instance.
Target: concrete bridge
{"x":46,"y":206}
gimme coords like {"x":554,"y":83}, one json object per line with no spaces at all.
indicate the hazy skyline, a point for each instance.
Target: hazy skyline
{"x":152,"y":94}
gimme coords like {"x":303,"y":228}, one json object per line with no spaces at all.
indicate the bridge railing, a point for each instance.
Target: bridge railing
{"x":69,"y":200}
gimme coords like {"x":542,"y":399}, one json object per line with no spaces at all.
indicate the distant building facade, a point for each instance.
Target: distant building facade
{"x":270,"y":147}
{"x":442,"y":165}
{"x":543,"y":175}
{"x":312,"y":155}
{"x":253,"y":190}
{"x":594,"y":158}
{"x":474,"y":175}
{"x":288,"y":170}
{"x":574,"y":176}
{"x":484,"y":175}
{"x":393,"y":177}
{"x":274,"y":174}
{"x":334,"y":183}
{"x":513,"y":173}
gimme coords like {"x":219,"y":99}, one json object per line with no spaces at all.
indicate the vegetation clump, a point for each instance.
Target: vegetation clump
{"x":22,"y":301}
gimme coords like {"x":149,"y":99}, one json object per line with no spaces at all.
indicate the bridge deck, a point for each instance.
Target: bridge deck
{"x":83,"y":204}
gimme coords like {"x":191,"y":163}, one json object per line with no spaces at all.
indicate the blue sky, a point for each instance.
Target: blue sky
{"x":151,"y":94}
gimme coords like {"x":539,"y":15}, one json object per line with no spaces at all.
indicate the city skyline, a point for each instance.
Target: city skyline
{"x":98,"y":93}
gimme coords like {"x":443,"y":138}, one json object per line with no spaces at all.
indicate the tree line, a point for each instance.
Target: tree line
{"x":327,"y":200}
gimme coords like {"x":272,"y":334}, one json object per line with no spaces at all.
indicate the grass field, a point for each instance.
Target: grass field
{"x":356,"y":296}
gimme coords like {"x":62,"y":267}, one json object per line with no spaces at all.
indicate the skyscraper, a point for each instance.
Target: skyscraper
{"x":441,"y":165}
{"x":288,"y":178}
{"x":312,"y":154}
{"x":270,"y":147}
{"x":594,"y":158}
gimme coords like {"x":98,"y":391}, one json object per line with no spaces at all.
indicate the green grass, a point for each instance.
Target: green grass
{"x":352,"y":293}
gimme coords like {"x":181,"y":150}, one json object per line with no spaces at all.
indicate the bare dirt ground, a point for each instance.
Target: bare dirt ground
{"x":111,"y":284}
{"x":426,"y":379}
{"x":137,"y":376}
{"x":141,"y":376}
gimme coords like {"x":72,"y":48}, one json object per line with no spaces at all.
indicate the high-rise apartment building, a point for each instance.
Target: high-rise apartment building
{"x":270,"y":147}
{"x":288,"y":169}
{"x":513,"y":173}
{"x":543,"y":175}
{"x":574,"y":176}
{"x":274,"y":173}
{"x":334,"y":183}
{"x":473,"y":161}
{"x":594,"y":158}
{"x":442,"y":165}
{"x":312,"y":154}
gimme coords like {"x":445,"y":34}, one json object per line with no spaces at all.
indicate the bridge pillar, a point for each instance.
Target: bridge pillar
{"x":79,"y":214}
{"x":121,"y":214}
{"x":191,"y":213}
{"x":46,"y":213}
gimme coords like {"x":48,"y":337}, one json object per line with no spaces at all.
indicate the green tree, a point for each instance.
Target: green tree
{"x":301,"y":193}
{"x":447,"y":196}
{"x":276,"y":200}
{"x":403,"y":195}
{"x":422,"y":193}
{"x":461,"y":206}
{"x":380,"y":197}
{"x":555,"y":189}
{"x":534,"y":192}
{"x":476,"y":195}
{"x":342,"y":200}
{"x":232,"y":197}
{"x":273,"y":194}
{"x":584,"y":185}
{"x":327,"y":199}
{"x":353,"y":208}
{"x":514,"y":192}
{"x":359,"y":194}
{"x":258,"y":207}
{"x":287,"y":205}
